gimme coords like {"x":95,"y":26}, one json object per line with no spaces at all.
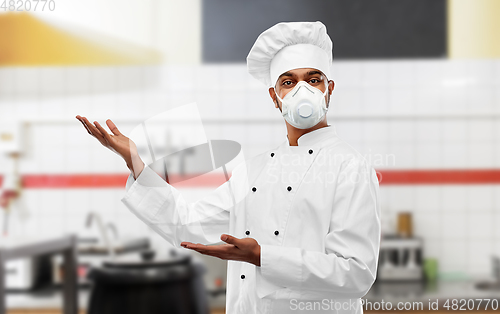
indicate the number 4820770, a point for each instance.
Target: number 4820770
{"x":28,"y":5}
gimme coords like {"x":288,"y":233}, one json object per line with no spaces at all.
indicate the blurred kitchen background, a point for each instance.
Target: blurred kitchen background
{"x":417,"y":91}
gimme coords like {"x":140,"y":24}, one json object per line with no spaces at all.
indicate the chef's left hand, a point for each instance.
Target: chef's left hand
{"x":245,"y":250}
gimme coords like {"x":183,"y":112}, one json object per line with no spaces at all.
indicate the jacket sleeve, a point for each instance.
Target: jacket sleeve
{"x":347,"y":269}
{"x":163,"y":208}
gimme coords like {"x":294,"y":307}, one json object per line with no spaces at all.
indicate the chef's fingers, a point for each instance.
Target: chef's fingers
{"x":211,"y":248}
{"x":199,"y":245}
{"x":93,"y":129}
{"x":86,"y":128}
{"x":189,"y":245}
{"x":113,"y":127}
{"x":198,"y":249}
{"x":196,"y":246}
{"x":225,"y":254}
{"x":230,"y":239}
{"x":186,"y":244}
{"x":222,"y":254}
{"x":103,"y":131}
{"x":95,"y":132}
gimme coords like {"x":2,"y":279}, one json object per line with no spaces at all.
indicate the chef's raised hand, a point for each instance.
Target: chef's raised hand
{"x":116,"y":142}
{"x":244,"y":250}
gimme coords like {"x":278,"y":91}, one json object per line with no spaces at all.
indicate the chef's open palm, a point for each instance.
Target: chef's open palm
{"x":116,"y":142}
{"x":243,"y":250}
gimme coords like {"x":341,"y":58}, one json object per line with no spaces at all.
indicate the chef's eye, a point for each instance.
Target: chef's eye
{"x":314,"y":81}
{"x":287,"y":83}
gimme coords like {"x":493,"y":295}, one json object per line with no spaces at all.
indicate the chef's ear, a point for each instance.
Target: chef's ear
{"x":331,"y":86}
{"x":272,"y":93}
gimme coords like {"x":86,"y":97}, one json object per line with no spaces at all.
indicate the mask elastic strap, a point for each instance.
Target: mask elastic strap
{"x":278,"y":96}
{"x":283,"y":111}
{"x":324,"y":94}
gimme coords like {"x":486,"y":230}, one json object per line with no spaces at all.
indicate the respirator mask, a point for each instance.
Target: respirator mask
{"x":304,"y":106}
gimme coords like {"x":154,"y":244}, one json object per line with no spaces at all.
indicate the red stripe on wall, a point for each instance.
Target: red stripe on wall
{"x":48,"y":181}
{"x":74,"y":181}
{"x":452,"y":176}
{"x":386,"y":177}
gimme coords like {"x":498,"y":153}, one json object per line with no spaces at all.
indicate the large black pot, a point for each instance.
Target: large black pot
{"x":172,"y":286}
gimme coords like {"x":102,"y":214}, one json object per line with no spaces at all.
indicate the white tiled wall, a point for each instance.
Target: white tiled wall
{"x":423,"y":114}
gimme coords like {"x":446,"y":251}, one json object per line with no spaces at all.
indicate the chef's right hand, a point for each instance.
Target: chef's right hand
{"x":116,"y":142}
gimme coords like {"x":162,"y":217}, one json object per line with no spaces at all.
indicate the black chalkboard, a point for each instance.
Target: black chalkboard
{"x":360,"y":29}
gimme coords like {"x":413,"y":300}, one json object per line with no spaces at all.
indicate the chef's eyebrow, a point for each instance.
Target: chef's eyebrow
{"x":308,"y":73}
{"x":286,"y":74}
{"x":314,"y":72}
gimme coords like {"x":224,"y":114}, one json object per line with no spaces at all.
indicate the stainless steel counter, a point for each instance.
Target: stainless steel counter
{"x":441,"y":291}
{"x":51,"y":298}
{"x":66,"y":245}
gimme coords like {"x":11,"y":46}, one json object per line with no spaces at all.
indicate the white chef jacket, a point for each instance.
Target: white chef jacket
{"x":313,"y":208}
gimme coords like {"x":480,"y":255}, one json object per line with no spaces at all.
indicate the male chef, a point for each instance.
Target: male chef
{"x":300,"y":222}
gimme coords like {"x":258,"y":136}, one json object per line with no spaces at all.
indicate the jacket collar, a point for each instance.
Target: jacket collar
{"x":315,"y":137}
